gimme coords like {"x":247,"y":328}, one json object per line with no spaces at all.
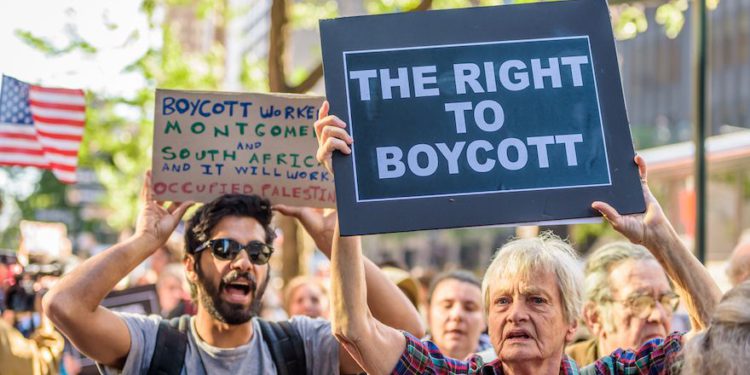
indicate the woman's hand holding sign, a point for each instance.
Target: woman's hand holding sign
{"x":331,"y":136}
{"x":648,"y":228}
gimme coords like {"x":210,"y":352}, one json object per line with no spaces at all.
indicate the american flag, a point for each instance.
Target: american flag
{"x":41,"y":127}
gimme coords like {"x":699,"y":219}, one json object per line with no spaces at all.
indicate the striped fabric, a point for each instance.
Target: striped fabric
{"x":655,"y":357}
{"x":41,"y":127}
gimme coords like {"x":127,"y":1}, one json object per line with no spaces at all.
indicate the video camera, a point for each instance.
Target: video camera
{"x":21,"y":296}
{"x":8,"y":257}
{"x":38,"y":270}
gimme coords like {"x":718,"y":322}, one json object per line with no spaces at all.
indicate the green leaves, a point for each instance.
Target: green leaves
{"x":118,"y":137}
{"x":672,"y":17}
{"x":43,"y":45}
{"x":305,"y":15}
{"x":628,"y":21}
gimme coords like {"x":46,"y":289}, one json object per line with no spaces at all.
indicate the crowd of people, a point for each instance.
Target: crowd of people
{"x":535,"y":310}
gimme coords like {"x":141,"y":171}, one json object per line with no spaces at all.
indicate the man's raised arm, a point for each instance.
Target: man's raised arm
{"x":386,"y":301}
{"x":73,"y":303}
{"x":653,"y":230}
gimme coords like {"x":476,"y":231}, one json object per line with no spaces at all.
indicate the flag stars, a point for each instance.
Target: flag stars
{"x":15,"y":110}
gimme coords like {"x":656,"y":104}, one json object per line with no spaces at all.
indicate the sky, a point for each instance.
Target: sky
{"x":107,"y":24}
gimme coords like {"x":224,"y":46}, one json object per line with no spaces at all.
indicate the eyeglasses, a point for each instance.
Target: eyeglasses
{"x":227,"y":249}
{"x":642,"y":304}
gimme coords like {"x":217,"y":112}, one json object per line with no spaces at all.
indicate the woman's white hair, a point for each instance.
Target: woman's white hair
{"x":724,"y":348}
{"x":521,"y":259}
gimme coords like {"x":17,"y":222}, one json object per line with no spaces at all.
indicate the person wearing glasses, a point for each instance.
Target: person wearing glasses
{"x":628,"y":300}
{"x":532,"y":293}
{"x":228,"y":245}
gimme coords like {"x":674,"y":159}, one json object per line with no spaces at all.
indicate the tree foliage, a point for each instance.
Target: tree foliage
{"x":118,"y":137}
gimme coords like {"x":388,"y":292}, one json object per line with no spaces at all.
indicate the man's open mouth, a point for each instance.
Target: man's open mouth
{"x":237,"y":288}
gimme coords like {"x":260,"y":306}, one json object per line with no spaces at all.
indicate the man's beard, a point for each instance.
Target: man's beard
{"x":223,"y":311}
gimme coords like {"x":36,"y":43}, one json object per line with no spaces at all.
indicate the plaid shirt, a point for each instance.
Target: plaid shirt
{"x":654,"y":358}
{"x":482,"y":345}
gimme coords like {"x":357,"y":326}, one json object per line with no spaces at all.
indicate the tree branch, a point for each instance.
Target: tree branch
{"x":423,"y":5}
{"x":277,"y":50}
{"x":277,"y":46}
{"x":307,"y":84}
{"x":317,"y":73}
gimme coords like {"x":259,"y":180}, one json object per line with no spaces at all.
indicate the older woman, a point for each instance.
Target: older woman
{"x":532,"y":294}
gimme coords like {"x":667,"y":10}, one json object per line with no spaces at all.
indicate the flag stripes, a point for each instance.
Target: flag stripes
{"x":41,"y":127}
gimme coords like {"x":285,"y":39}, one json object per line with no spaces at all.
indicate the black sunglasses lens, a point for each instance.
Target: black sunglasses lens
{"x":258,"y":253}
{"x":225,"y":248}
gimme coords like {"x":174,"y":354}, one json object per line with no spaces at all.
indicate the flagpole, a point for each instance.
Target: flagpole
{"x":700,"y":120}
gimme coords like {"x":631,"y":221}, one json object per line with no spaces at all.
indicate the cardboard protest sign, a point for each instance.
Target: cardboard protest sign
{"x":518,"y":118}
{"x":209,"y":143}
{"x":44,"y":240}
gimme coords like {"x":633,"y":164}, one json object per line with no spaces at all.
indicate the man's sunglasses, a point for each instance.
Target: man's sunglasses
{"x":227,"y":249}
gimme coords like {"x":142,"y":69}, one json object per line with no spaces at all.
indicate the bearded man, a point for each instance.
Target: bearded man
{"x":228,"y":245}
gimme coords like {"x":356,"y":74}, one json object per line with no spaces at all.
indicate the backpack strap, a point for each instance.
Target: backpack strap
{"x":286,"y":347}
{"x":181,"y":322}
{"x":171,"y":346}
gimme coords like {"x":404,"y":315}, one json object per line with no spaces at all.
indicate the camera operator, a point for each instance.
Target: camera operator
{"x":9,"y":267}
{"x":39,"y":353}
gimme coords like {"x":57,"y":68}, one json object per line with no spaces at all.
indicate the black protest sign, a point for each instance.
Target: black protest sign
{"x":136,"y":300}
{"x":517,"y":118}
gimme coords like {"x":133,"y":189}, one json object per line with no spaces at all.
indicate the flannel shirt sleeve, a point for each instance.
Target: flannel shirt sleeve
{"x":424,"y":357}
{"x":653,"y":358}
